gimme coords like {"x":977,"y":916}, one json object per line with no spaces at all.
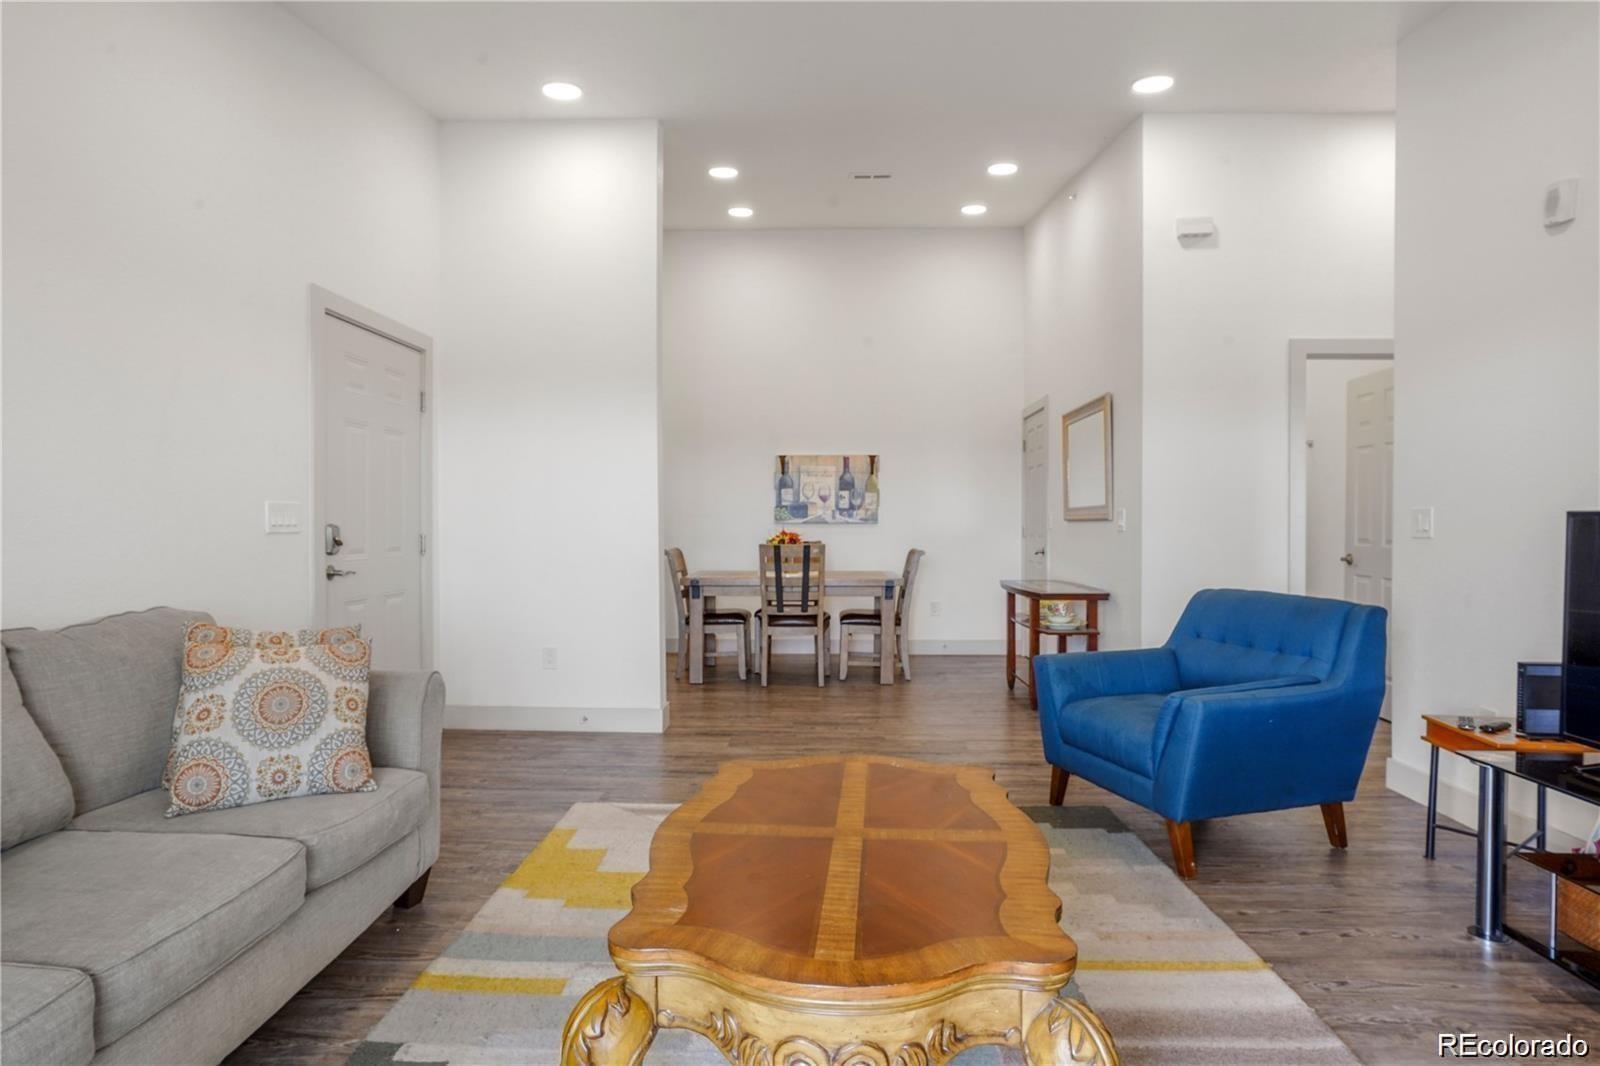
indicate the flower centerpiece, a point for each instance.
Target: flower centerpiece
{"x":785,"y":536}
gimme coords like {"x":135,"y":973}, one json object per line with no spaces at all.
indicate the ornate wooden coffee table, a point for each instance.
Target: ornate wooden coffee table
{"x":843,"y":911}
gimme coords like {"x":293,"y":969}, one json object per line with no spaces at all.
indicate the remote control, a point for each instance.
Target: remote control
{"x":1494,"y":727}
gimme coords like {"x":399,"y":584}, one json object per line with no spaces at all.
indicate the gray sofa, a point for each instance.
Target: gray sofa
{"x":126,"y":936}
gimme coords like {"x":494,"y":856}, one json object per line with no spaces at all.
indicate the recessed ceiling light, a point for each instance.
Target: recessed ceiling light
{"x":974,"y":209}
{"x":1155,"y":83}
{"x":741,"y":212}
{"x":1002,"y":170}
{"x":724,"y":173}
{"x":564,"y":91}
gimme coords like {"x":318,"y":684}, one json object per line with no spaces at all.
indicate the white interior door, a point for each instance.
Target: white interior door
{"x":369,"y":470}
{"x":1035,"y":488}
{"x":1369,"y":492}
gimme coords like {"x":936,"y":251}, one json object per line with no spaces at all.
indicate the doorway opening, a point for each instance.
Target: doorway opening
{"x":1341,"y":471}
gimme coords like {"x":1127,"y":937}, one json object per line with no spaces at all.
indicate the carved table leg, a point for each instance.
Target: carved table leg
{"x":1067,"y":1031}
{"x":610,"y":1026}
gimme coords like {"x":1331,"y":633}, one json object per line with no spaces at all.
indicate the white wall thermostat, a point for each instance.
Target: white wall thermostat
{"x":1193,"y":228}
{"x":1561,"y":202}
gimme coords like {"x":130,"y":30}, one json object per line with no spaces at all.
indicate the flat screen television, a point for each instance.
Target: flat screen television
{"x":1580,"y":656}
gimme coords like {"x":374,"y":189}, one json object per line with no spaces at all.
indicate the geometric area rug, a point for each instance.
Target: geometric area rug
{"x":1168,"y":977}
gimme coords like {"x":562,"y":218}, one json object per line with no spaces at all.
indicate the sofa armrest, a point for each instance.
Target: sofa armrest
{"x":1175,"y":702}
{"x":1068,"y":678}
{"x":1238,"y":749}
{"x":1074,"y":676}
{"x":405,"y":725}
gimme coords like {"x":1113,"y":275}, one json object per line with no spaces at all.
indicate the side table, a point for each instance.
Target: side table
{"x":1035,"y":591}
{"x":1442,"y":733}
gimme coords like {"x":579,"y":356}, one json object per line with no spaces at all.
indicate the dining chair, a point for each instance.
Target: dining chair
{"x":791,"y":579}
{"x":715,"y":618}
{"x":870,"y":620}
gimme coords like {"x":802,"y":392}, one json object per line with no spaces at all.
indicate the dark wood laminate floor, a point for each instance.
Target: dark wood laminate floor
{"x":1373,"y":939}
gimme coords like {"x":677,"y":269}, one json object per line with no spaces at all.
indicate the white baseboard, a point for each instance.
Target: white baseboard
{"x":559,"y":719}
{"x":958,"y":647}
{"x":802,"y":646}
{"x":1461,"y":805}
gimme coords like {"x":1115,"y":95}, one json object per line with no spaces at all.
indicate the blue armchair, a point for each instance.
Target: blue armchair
{"x":1257,"y":702}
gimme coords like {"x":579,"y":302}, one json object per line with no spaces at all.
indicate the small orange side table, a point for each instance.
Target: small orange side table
{"x":1442,"y":733}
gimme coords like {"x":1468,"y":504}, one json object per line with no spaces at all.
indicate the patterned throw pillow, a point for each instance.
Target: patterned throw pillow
{"x":268,"y":715}
{"x":211,"y":633}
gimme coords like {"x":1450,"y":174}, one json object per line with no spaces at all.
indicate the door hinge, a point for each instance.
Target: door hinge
{"x":422,"y":402}
{"x":422,"y":544}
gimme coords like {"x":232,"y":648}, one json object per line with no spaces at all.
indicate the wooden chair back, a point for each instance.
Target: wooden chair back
{"x":792,"y":576}
{"x":908,"y":578}
{"x":678,"y":567}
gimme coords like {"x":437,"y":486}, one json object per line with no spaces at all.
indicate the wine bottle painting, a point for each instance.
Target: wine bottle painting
{"x":826,"y":489}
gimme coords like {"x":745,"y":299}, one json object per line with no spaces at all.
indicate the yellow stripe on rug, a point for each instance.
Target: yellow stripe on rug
{"x":1172,"y":965}
{"x":493,"y":986}
{"x":554,"y":870}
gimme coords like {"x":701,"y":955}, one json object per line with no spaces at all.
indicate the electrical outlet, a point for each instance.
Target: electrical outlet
{"x":935,"y":608}
{"x":547,"y":658}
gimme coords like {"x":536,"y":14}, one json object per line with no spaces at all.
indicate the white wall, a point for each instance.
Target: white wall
{"x":1304,"y":211}
{"x":548,"y":424}
{"x":1084,"y":299}
{"x":175,"y":176}
{"x":1497,"y":361}
{"x":1326,"y":426}
{"x":904,"y":343}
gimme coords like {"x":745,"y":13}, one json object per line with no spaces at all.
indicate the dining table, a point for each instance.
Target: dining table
{"x":879,"y":585}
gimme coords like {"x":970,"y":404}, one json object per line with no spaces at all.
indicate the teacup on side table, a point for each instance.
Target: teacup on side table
{"x":843,"y":911}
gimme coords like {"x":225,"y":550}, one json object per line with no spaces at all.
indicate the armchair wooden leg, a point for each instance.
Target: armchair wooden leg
{"x":1058,"y":785}
{"x":1182,"y":847}
{"x":414,"y":892}
{"x":1333,"y":822}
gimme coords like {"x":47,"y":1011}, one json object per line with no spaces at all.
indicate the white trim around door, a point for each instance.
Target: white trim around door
{"x":323,"y":304}
{"x":1037,"y":408}
{"x":1299,"y":352}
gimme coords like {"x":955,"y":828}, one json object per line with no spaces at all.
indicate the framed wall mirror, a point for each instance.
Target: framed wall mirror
{"x":1086,"y":461}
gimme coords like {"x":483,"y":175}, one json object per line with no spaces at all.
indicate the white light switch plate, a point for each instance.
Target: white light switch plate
{"x":283,"y":516}
{"x":1422,"y":523}
{"x":1122,"y":519}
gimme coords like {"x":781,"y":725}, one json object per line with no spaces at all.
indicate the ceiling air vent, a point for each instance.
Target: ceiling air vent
{"x":866,"y":176}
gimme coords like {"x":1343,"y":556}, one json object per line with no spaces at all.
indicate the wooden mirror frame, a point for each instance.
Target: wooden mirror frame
{"x":1100,"y":512}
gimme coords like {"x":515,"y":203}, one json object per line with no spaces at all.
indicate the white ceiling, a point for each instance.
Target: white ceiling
{"x":799,"y":96}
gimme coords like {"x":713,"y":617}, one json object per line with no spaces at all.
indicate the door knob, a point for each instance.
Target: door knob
{"x":1039,"y":552}
{"x":1347,"y":559}
{"x":332,"y":572}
